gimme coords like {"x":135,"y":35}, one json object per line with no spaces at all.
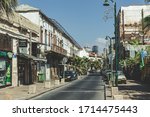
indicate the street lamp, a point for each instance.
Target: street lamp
{"x":106,"y":3}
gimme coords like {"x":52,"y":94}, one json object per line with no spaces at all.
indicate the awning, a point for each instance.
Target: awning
{"x":27,"y":56}
{"x":40,"y":59}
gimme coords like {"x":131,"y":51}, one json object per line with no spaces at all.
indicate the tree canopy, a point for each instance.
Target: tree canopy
{"x":147,"y":21}
{"x":7,"y":6}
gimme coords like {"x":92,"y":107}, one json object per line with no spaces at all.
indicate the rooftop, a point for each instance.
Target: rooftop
{"x":26,"y":8}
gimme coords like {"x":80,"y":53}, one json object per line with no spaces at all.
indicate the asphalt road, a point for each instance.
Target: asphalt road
{"x":89,"y":88}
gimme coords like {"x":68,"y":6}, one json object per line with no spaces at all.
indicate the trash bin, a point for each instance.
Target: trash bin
{"x":41,"y":77}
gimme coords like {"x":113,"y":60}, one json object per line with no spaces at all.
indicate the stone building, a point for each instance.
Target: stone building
{"x":17,"y":64}
{"x":56,"y":44}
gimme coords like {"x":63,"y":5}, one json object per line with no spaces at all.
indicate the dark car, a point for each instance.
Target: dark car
{"x":70,"y":75}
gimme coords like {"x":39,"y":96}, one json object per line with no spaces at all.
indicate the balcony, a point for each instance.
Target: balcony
{"x":58,"y":49}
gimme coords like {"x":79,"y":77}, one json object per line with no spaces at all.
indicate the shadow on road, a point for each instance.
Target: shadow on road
{"x":94,"y":74}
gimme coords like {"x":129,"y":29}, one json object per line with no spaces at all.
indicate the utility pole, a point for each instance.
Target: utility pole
{"x":106,"y":3}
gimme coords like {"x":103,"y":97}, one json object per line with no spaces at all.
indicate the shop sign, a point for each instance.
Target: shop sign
{"x":3,"y":54}
{"x":6,"y":54}
{"x":9,"y":54}
{"x":22,"y":43}
{"x":147,"y":41}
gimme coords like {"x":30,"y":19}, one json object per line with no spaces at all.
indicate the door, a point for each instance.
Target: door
{"x":21,"y":73}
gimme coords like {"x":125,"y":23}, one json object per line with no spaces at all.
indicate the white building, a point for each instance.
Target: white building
{"x":131,"y":27}
{"x":17,"y":60}
{"x":83,"y":53}
{"x":130,"y":22}
{"x":55,"y":43}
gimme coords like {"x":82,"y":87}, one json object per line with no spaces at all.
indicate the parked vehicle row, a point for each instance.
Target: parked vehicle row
{"x":107,"y":75}
{"x":69,"y":75}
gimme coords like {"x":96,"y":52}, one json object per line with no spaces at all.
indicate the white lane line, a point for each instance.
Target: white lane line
{"x":81,"y":91}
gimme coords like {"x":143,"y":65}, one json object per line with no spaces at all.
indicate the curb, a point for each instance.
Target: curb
{"x":42,"y":92}
{"x":47,"y":90}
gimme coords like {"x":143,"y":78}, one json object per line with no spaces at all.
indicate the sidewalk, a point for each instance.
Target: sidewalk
{"x":133,"y":90}
{"x":21,"y":92}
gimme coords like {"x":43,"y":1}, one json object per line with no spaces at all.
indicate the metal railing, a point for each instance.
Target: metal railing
{"x":58,"y":49}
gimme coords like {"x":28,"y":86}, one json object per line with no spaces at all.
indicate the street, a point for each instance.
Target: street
{"x":89,"y":88}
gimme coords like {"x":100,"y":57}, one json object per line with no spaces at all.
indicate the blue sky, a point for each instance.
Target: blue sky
{"x":83,"y":19}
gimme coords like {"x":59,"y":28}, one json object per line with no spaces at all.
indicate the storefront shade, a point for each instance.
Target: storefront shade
{"x":6,"y":54}
{"x":3,"y":54}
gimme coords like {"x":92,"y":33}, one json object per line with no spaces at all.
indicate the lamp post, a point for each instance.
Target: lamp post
{"x":110,"y":50}
{"x":106,"y":3}
{"x":111,"y":58}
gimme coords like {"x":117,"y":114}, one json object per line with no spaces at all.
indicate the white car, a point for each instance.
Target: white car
{"x":121,"y":78}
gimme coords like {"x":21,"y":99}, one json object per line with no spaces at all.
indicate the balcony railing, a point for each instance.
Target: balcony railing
{"x":58,"y":49}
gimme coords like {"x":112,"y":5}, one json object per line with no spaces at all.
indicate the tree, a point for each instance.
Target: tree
{"x":146,"y":21}
{"x":96,"y":64}
{"x":82,"y":65}
{"x":147,"y":0}
{"x":134,"y":42}
{"x":7,"y":6}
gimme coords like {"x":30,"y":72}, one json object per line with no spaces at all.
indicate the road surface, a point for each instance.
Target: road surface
{"x":88,"y":88}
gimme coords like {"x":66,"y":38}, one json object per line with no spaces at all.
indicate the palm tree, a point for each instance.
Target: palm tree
{"x":147,"y":0}
{"x":7,"y":6}
{"x":147,"y":21}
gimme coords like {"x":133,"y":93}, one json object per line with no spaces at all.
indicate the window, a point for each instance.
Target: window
{"x":41,"y":36}
{"x":49,"y":37}
{"x":46,"y":39}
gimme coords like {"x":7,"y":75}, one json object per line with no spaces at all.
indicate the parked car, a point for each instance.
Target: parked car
{"x":70,"y":75}
{"x":105,"y":74}
{"x":92,"y":71}
{"x":121,"y":77}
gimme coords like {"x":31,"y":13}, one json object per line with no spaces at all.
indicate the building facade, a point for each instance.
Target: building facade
{"x":56,"y":45}
{"x":134,"y":38}
{"x":131,"y":27}
{"x":17,"y":65}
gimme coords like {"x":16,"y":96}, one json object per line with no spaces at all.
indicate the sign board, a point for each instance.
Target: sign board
{"x":9,"y":54}
{"x":147,"y":41}
{"x":22,"y":43}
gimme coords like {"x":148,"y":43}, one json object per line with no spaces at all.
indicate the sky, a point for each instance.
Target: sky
{"x":87,"y":21}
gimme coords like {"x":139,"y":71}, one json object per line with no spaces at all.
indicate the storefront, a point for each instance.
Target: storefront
{"x":5,"y":68}
{"x":5,"y":60}
{"x":27,"y":69}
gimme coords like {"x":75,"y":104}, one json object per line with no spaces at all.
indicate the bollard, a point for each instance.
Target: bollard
{"x":47,"y":84}
{"x":57,"y":82}
{"x":32,"y":89}
{"x":118,"y":97}
{"x":114,"y":91}
{"x":62,"y":81}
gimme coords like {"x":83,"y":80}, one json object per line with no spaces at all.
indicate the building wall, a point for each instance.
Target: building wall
{"x":16,"y":27}
{"x":130,"y":21}
{"x":83,"y":53}
{"x":32,"y":16}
